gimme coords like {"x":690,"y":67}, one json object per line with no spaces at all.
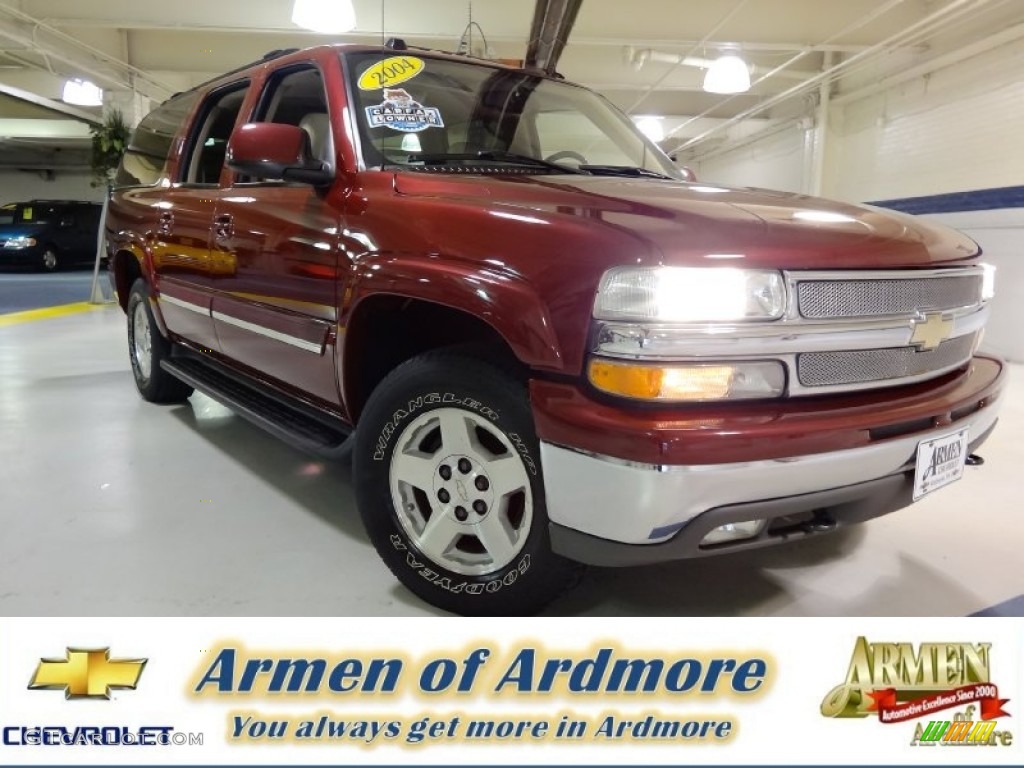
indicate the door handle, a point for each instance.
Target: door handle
{"x":224,"y":226}
{"x":166,"y":223}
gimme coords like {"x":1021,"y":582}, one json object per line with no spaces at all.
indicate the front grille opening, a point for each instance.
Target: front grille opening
{"x":903,"y":428}
{"x":963,"y":413}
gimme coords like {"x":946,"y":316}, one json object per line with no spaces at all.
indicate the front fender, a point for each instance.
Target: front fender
{"x":501,"y":298}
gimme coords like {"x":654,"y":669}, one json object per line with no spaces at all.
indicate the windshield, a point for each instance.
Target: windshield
{"x":420,"y":112}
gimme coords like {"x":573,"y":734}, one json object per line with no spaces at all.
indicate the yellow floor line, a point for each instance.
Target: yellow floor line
{"x":15,"y":318}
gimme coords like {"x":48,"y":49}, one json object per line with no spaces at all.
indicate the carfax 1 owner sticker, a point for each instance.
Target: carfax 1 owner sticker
{"x":399,"y":111}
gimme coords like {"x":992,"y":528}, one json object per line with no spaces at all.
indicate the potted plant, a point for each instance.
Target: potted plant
{"x":109,"y":141}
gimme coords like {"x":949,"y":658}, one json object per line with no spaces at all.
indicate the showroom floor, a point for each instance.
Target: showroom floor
{"x":110,"y":506}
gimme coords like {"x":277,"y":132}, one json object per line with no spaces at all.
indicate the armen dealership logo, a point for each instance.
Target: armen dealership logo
{"x":897,"y":683}
{"x":87,"y":674}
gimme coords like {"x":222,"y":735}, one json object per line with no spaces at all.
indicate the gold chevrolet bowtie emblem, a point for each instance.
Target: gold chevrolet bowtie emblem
{"x":930,"y":331}
{"x":87,"y":674}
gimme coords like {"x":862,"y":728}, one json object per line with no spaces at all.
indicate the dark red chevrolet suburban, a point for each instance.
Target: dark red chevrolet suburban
{"x":544,"y":346}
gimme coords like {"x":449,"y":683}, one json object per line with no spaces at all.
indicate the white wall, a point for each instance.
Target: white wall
{"x":1000,"y":234}
{"x":778,"y":161}
{"x":957,"y":129}
{"x":28,"y":185}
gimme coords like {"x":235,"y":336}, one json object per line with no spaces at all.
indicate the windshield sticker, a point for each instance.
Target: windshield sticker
{"x":401,"y":112}
{"x":26,"y":214}
{"x":390,"y":72}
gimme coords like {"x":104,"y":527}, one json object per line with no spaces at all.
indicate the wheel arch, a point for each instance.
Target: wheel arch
{"x":385,"y":330}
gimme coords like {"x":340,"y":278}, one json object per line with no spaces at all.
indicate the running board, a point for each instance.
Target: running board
{"x":295,"y":423}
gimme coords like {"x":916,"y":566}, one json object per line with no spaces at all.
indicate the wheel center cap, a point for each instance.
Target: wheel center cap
{"x":460,"y":487}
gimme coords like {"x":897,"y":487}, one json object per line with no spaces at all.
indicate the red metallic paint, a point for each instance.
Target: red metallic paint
{"x":257,"y":143}
{"x":524,"y":254}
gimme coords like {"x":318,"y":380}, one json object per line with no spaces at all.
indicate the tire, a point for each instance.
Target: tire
{"x":49,"y":261}
{"x":447,"y":437}
{"x":146,"y":348}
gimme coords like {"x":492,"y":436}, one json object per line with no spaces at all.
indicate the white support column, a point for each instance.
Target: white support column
{"x":821,"y":129}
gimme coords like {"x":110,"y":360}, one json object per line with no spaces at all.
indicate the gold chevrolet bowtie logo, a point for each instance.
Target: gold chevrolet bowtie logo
{"x":87,"y":674}
{"x":931,"y":331}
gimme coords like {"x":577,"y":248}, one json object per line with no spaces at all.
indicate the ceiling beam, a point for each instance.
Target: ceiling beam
{"x":35,"y":37}
{"x":552,"y":23}
{"x":370,"y":35}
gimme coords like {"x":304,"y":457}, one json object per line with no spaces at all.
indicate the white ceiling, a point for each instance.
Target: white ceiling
{"x":156,"y":47}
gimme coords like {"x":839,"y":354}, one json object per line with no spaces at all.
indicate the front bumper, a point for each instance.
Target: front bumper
{"x":19,"y":257}
{"x":615,"y":511}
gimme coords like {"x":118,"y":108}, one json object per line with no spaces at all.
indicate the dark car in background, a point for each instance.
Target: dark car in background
{"x":49,"y":234}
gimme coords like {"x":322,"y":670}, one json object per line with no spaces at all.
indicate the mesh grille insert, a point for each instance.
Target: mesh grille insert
{"x":870,"y":298}
{"x":822,"y":369}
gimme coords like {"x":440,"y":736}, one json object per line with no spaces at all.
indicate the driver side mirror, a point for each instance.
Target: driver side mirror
{"x":276,"y":151}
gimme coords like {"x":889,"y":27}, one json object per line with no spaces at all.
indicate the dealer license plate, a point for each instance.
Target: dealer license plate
{"x":940,"y":461}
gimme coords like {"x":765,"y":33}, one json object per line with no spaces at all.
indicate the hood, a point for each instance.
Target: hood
{"x":693,"y":223}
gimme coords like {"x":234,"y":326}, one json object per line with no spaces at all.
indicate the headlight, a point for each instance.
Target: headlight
{"x":690,"y":294}
{"x":689,"y":382}
{"x":20,"y":242}
{"x":988,"y":281}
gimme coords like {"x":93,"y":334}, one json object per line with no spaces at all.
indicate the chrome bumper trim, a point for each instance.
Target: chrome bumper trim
{"x":647,"y":503}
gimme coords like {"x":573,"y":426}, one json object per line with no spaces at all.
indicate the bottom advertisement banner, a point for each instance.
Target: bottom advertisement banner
{"x":504,"y":691}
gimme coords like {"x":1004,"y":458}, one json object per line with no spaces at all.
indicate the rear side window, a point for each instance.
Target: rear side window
{"x":150,"y":146}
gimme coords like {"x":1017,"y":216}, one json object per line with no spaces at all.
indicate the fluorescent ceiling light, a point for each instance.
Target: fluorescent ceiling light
{"x":727,"y":74}
{"x":651,"y":126}
{"x":329,"y":17}
{"x":82,"y":93}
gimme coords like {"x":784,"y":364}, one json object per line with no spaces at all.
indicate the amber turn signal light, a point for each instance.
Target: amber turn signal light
{"x":688,"y":382}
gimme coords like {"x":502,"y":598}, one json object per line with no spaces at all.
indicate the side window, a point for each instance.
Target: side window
{"x":150,"y":145}
{"x":296,"y":96}
{"x":208,"y":143}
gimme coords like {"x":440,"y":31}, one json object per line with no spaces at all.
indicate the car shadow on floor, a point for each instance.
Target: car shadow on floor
{"x":321,"y":487}
{"x":743,"y":583}
{"x":737,"y":584}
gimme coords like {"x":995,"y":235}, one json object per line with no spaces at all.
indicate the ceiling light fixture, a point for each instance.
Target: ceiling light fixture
{"x":651,"y":126}
{"x":727,"y":74}
{"x":82,"y":93}
{"x":329,"y":17}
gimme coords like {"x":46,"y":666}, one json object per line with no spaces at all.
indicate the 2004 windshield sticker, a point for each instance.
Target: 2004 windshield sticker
{"x":390,"y":72}
{"x":401,"y":112}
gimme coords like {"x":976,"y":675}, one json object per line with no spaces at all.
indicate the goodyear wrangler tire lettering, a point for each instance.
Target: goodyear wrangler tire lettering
{"x":450,"y":489}
{"x":418,"y":403}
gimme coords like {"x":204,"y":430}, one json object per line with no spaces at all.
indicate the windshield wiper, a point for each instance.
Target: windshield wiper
{"x":497,"y":155}
{"x":623,"y":170}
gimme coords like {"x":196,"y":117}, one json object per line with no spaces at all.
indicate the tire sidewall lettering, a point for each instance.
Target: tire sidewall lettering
{"x":415,"y":404}
{"x":454,"y":585}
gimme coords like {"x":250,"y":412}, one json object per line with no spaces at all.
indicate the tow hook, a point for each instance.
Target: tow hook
{"x":974,"y":460}
{"x":821,"y":522}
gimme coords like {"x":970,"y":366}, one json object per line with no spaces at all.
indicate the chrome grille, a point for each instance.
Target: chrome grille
{"x":829,"y":369}
{"x":821,"y":299}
